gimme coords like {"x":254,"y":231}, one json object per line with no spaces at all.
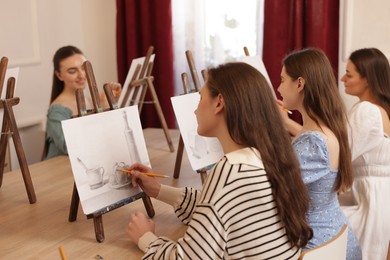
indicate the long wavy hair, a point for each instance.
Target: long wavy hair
{"x":253,"y":120}
{"x":322,"y":101}
{"x":61,"y":54}
{"x":373,"y":65}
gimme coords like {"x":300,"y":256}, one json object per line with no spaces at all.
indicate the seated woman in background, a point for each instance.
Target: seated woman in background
{"x":368,"y":78}
{"x":68,"y":76}
{"x":321,"y":144}
{"x":254,"y":201}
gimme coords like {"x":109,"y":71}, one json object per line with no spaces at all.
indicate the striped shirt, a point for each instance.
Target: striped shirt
{"x":234,"y":217}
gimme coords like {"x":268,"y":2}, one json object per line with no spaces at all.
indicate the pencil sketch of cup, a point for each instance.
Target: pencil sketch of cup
{"x":95,"y":177}
{"x":197,"y":144}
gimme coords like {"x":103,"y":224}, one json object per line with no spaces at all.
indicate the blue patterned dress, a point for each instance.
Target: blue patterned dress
{"x":324,"y":215}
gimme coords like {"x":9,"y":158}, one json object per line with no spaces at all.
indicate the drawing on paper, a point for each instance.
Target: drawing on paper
{"x":99,"y":147}
{"x":202,"y":151}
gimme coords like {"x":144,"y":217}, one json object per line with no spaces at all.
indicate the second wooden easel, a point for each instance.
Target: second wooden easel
{"x":9,"y":127}
{"x":141,"y":81}
{"x":187,"y":89}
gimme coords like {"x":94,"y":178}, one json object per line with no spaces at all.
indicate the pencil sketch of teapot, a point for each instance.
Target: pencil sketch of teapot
{"x":118,"y":178}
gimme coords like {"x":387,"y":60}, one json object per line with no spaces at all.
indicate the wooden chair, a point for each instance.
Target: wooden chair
{"x":97,"y":216}
{"x":187,"y":89}
{"x":9,"y":127}
{"x":141,"y":82}
{"x":336,"y":248}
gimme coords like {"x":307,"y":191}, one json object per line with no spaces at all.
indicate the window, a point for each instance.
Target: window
{"x":215,"y":31}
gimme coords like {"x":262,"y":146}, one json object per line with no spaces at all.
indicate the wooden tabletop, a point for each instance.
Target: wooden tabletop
{"x":36,"y":231}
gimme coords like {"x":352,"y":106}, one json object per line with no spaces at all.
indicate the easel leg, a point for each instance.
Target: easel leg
{"x":99,"y":231}
{"x":179,"y":157}
{"x":3,"y":148}
{"x":9,"y":115}
{"x":148,"y":206}
{"x":160,"y":115}
{"x":74,"y":204}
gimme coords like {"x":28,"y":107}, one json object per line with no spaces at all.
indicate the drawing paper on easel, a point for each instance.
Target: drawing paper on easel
{"x":202,"y":151}
{"x":99,"y":146}
{"x":257,"y":62}
{"x":129,"y":76}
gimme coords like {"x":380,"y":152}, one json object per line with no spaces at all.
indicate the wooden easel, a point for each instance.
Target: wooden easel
{"x":138,"y":87}
{"x":10,"y":128}
{"x":82,"y":110}
{"x":187,"y":89}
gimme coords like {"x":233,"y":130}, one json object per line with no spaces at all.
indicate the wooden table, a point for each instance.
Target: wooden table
{"x":36,"y":231}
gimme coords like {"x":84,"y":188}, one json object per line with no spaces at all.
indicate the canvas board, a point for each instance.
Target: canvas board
{"x":202,"y":151}
{"x":257,"y":62}
{"x":129,"y":76}
{"x":100,"y":144}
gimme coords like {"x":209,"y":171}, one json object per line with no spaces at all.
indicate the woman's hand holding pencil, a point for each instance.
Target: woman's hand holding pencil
{"x":282,"y":108}
{"x":142,"y":176}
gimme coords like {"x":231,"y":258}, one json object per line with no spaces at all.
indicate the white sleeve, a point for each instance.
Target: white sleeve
{"x":365,"y":128}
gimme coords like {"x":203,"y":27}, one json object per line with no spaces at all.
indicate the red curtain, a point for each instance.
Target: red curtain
{"x":295,"y":24}
{"x":140,"y":24}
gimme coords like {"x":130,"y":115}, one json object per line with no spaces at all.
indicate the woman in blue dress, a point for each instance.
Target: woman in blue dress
{"x":321,"y":143}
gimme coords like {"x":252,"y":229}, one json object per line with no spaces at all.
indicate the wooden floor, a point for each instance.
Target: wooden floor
{"x":36,"y":231}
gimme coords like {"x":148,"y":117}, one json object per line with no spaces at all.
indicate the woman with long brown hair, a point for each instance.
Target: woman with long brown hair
{"x":254,"y":201}
{"x":308,"y":85}
{"x":367,"y":77}
{"x":68,"y":76}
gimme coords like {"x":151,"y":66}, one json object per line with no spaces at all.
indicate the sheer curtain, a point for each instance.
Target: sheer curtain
{"x":215,"y":31}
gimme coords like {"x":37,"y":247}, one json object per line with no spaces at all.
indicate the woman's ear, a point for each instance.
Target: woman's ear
{"x":220,"y":104}
{"x":58,"y":75}
{"x":301,"y":84}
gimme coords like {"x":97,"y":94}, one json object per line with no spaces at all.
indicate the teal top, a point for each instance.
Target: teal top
{"x":54,"y":134}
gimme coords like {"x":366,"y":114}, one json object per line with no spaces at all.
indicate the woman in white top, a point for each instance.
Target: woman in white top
{"x":253,"y":202}
{"x":368,"y":78}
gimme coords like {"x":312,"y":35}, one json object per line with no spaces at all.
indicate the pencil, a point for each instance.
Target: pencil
{"x":148,"y":174}
{"x":286,"y":110}
{"x":62,"y":253}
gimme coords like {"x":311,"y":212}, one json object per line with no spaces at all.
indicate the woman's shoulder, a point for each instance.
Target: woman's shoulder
{"x":311,"y":144}
{"x":310,"y":137}
{"x":366,"y":115}
{"x":364,"y":108}
{"x":59,"y":109}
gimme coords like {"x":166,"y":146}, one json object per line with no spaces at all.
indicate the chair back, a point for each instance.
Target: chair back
{"x":336,"y":248}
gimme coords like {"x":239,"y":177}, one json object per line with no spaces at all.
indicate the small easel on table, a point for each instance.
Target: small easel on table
{"x":82,"y":110}
{"x":142,"y":80}
{"x":187,"y":89}
{"x":10,"y":128}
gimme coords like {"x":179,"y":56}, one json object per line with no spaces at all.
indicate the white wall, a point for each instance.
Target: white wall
{"x":363,"y":24}
{"x":31,"y":32}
